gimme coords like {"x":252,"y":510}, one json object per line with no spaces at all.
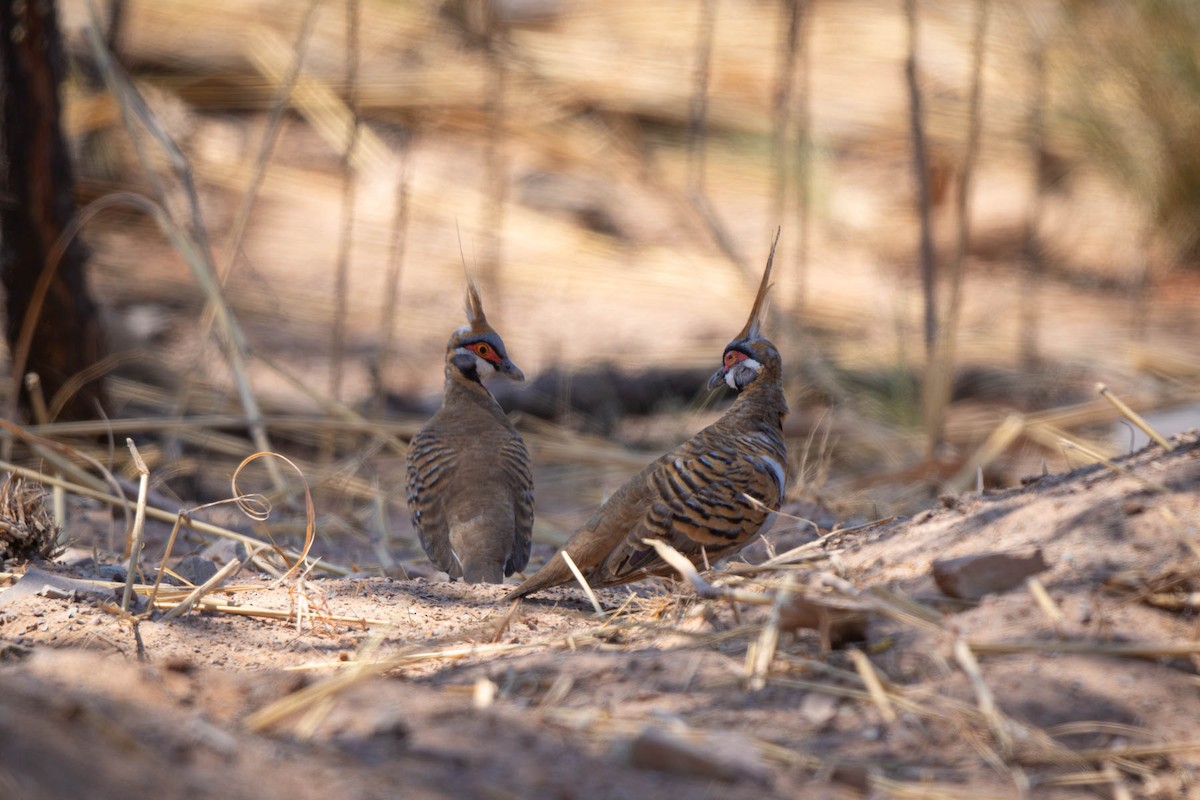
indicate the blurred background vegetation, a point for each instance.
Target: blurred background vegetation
{"x":613,"y":173}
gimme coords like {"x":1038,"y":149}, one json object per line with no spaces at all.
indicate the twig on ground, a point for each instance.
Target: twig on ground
{"x":1134,"y":417}
{"x":133,"y":545}
{"x":587,"y":589}
{"x":870,"y":679}
{"x":760,"y":656}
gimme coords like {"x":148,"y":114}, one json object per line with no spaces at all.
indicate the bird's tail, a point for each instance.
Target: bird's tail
{"x":555,"y":572}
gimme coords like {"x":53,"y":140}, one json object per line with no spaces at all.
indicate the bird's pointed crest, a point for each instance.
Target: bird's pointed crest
{"x":474,"y":306}
{"x":758,"y":312}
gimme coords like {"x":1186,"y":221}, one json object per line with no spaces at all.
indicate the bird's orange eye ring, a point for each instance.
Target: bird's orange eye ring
{"x":482,"y":349}
{"x":734,"y":356}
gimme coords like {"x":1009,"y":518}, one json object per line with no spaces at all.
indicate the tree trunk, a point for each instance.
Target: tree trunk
{"x":36,"y":204}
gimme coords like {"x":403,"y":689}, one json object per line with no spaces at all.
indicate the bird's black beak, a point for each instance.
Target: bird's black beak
{"x":718,"y":379}
{"x":510,"y":370}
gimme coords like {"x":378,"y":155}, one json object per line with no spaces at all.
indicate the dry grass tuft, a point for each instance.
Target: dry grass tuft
{"x":27,"y":528}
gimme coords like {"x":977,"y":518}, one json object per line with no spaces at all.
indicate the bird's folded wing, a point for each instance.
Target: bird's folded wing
{"x":514,"y":461}
{"x":430,"y":463}
{"x":702,"y":504}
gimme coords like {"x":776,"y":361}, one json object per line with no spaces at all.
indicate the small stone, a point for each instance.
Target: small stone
{"x":843,"y":624}
{"x":726,"y":758}
{"x":1133,"y":507}
{"x":195,"y":569}
{"x":972,"y":577}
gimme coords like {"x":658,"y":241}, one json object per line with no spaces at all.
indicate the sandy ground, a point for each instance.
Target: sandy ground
{"x":411,"y":686}
{"x":438,"y":691}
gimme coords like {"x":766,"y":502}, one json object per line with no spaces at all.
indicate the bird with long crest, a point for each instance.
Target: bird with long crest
{"x":470,"y":487}
{"x":709,"y":496}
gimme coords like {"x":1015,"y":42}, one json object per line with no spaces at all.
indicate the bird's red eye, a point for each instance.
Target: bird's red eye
{"x":732,"y":357}
{"x":483,"y":349}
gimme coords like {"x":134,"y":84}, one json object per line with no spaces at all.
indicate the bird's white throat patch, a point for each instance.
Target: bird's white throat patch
{"x":483,"y":367}
{"x":742,"y":373}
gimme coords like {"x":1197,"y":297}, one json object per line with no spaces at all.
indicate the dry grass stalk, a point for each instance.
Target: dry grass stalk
{"x":999,"y":440}
{"x":133,"y":546}
{"x":781,"y":107}
{"x":212,"y":606}
{"x":1086,"y":778}
{"x":162,"y":566}
{"x":587,"y":589}
{"x":52,"y":451}
{"x":870,"y":679}
{"x":904,"y":609}
{"x":1120,"y":789}
{"x":311,"y":719}
{"x":887,"y":787}
{"x":248,"y":504}
{"x":680,"y":563}
{"x":1051,"y":437}
{"x":1120,"y":650}
{"x":697,"y":129}
{"x":341,"y":283}
{"x":344,"y":419}
{"x":33,"y":384}
{"x":195,"y":250}
{"x":983,"y":696}
{"x":353,"y":673}
{"x":169,"y":598}
{"x":1153,"y":486}
{"x":973,"y":426}
{"x":1134,"y":417}
{"x":309,"y":697}
{"x":760,"y":655}
{"x":330,"y":118}
{"x":391,"y":291}
{"x":939,"y":373}
{"x":167,"y":516}
{"x":265,"y":150}
{"x":1046,"y":603}
{"x":223,"y":574}
{"x":921,"y":175}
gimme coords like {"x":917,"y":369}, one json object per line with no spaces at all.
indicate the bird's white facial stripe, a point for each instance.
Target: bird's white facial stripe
{"x":483,"y":367}
{"x":734,"y":377}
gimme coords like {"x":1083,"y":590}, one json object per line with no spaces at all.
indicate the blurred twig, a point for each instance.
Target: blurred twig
{"x":804,"y":155}
{"x":921,"y":170}
{"x":495,"y":152}
{"x":391,"y":290}
{"x":940,"y":369}
{"x":1032,"y":244}
{"x":265,"y":150}
{"x":697,"y":131}
{"x":781,"y":107}
{"x":196,"y":249}
{"x":349,"y":201}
